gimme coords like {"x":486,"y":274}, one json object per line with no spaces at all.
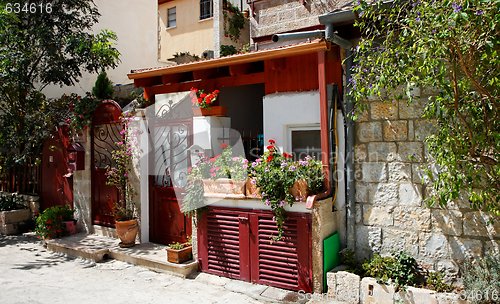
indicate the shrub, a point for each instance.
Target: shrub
{"x":482,"y":279}
{"x":10,"y":202}
{"x":435,"y":281}
{"x":400,"y":269}
{"x":49,"y":224}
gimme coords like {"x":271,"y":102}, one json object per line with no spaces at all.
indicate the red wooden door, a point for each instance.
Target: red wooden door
{"x":237,"y":243}
{"x":105,"y":133}
{"x":57,"y":180}
{"x":169,"y":162}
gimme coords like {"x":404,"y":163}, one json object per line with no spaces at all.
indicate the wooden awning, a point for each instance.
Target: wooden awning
{"x":287,"y":51}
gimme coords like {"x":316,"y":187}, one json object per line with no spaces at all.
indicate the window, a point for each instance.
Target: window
{"x":171,"y":17}
{"x":305,"y":141}
{"x":206,"y":9}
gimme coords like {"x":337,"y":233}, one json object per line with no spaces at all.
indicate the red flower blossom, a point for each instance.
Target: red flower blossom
{"x":224,"y":146}
{"x":272,"y":141}
{"x":270,"y":147}
{"x":269,"y":158}
{"x":286,"y":155}
{"x":203,"y":95}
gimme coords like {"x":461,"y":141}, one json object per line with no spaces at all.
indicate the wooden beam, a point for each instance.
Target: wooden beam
{"x":294,"y":50}
{"x":147,"y":82}
{"x":209,"y":83}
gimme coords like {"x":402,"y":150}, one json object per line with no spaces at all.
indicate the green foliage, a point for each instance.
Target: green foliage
{"x":227,"y":50}
{"x":119,"y":173}
{"x":481,"y":279}
{"x":348,"y":258}
{"x":400,"y":269}
{"x":40,"y":49}
{"x":103,"y":87}
{"x":275,"y":173}
{"x":11,"y":201}
{"x":452,"y":48}
{"x":434,"y":280}
{"x":49,"y":224}
{"x":234,"y":21}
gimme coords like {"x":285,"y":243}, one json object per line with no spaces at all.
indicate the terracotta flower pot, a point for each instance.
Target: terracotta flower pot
{"x":127,"y":232}
{"x":179,"y":255}
{"x":70,"y":227}
{"x":212,"y":111}
{"x":299,"y":190}
{"x":224,"y":186}
{"x":251,"y":189}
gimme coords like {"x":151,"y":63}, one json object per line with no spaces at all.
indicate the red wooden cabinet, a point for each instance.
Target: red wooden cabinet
{"x":237,"y":243}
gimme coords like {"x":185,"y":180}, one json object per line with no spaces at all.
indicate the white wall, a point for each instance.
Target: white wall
{"x":283,"y":110}
{"x":135,"y":23}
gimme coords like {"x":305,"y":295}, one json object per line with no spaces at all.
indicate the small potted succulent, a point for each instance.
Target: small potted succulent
{"x":180,"y":252}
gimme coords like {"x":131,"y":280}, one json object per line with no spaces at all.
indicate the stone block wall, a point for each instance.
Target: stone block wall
{"x":391,"y":214}
{"x":280,"y":16}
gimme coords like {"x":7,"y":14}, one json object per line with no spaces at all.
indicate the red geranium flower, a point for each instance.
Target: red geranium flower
{"x":286,"y":155}
{"x":224,"y":146}
{"x":272,"y":141}
{"x":269,"y":158}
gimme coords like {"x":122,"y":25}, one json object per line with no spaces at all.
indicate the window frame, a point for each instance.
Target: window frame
{"x":302,"y":127}
{"x":174,"y":8}
{"x":211,"y":8}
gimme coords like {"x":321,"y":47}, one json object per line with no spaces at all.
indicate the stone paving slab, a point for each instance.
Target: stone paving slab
{"x":97,"y":248}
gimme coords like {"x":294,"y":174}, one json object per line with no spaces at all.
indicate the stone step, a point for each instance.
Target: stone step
{"x":98,"y":248}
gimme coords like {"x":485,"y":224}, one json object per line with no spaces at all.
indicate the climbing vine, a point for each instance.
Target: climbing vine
{"x":451,"y":48}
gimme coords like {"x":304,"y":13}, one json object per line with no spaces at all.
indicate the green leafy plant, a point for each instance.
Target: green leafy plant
{"x":311,"y":170}
{"x":435,"y":281}
{"x":103,"y":87}
{"x":49,"y":224}
{"x":234,"y":21}
{"x":348,"y":258}
{"x":38,"y":50}
{"x":450,"y":47}
{"x":400,"y":269}
{"x":118,"y":174}
{"x":481,"y":279}
{"x":227,"y":50}
{"x":11,"y":201}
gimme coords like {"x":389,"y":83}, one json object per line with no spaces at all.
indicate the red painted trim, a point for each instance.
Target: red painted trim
{"x":323,"y":106}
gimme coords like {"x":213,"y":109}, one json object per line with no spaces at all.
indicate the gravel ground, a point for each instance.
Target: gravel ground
{"x":31,"y":274}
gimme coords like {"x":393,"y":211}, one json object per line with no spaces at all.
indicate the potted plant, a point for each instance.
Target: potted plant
{"x":126,"y":222}
{"x":14,"y":214}
{"x":204,"y":104}
{"x":53,"y":222}
{"x":180,"y":252}
{"x":225,"y":175}
{"x":283,"y":181}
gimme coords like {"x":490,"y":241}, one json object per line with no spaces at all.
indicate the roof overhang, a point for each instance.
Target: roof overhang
{"x":287,"y":51}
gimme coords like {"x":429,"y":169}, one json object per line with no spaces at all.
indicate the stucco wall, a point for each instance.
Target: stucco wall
{"x":284,"y":110}
{"x":135,"y":23}
{"x":190,"y":34}
{"x":390,"y":211}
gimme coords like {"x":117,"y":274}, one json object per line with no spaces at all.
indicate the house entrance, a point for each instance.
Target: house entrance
{"x":169,"y":164}
{"x":105,"y":133}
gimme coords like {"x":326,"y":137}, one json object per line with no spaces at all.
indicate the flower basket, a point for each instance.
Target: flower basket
{"x":212,"y":111}
{"x":299,"y":190}
{"x":251,"y":189}
{"x":179,"y":256}
{"x":224,"y":187}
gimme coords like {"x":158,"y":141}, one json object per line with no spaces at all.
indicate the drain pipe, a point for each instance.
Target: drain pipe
{"x":330,"y":20}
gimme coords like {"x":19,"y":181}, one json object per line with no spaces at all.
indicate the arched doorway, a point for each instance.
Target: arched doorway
{"x":105,"y":133}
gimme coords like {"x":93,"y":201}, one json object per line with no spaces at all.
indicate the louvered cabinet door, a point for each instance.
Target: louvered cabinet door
{"x":285,"y":263}
{"x":238,"y":244}
{"x":223,"y":243}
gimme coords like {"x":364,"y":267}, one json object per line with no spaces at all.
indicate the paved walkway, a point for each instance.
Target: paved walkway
{"x":31,"y":274}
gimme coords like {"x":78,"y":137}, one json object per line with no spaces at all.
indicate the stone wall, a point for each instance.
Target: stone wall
{"x":390,"y":211}
{"x":280,"y":16}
